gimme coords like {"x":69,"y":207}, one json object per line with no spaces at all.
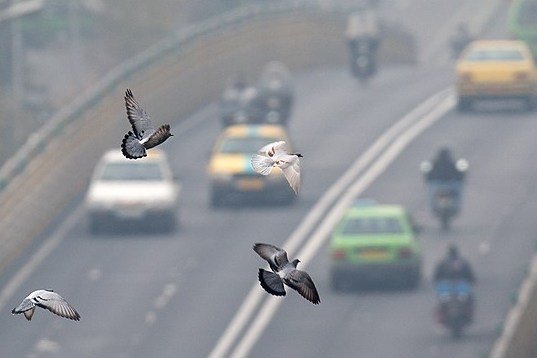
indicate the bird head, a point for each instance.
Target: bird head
{"x":295,"y":262}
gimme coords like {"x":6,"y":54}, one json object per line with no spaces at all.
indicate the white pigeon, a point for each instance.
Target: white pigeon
{"x":143,"y":135}
{"x":49,"y":300}
{"x":275,"y":155}
{"x":284,"y":272}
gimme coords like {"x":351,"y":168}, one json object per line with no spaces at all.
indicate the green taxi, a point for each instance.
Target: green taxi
{"x":374,"y":243}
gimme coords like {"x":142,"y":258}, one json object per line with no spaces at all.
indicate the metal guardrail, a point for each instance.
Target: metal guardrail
{"x":177,"y":42}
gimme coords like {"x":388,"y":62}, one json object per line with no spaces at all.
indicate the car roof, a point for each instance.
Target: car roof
{"x":375,"y":210}
{"x":498,"y":44}
{"x":115,"y":155}
{"x":255,"y":130}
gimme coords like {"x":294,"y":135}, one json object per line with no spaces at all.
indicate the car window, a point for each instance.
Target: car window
{"x":131,"y":171}
{"x":494,"y":55}
{"x":244,"y":145}
{"x":372,"y":226}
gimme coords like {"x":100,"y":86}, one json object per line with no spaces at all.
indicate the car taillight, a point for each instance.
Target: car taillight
{"x":465,"y":77}
{"x":521,"y":76}
{"x":405,"y":253}
{"x":338,"y":255}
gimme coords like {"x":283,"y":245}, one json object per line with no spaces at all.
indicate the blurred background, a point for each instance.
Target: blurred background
{"x":414,"y":219}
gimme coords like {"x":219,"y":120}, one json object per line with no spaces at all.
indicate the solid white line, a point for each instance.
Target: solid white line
{"x":48,"y":246}
{"x":255,"y":296}
{"x":322,"y":233}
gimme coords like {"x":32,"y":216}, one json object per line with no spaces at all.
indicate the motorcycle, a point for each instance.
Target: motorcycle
{"x":445,"y":196}
{"x":455,"y":306}
{"x":363,"y":59}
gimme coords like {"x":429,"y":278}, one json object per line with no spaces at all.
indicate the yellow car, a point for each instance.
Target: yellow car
{"x":495,"y":69}
{"x":230,"y":169}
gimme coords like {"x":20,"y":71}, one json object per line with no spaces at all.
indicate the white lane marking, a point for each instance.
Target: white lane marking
{"x":47,"y":346}
{"x":169,"y":290}
{"x":314,"y":216}
{"x":150,"y":318}
{"x":60,"y":234}
{"x":322,"y":233}
{"x":94,"y":274}
{"x":48,"y":246}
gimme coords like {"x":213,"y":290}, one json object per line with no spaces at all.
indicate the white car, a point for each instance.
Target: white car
{"x":124,"y":191}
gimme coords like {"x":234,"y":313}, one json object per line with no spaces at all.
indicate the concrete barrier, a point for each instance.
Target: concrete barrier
{"x":186,"y":71}
{"x":519,"y":334}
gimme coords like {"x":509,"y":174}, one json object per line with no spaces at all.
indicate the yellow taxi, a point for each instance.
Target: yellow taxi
{"x":495,"y":69}
{"x":230,"y":170}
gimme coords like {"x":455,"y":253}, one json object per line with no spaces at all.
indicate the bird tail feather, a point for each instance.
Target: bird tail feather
{"x":271,"y":282}
{"x":262,"y":164}
{"x":131,"y":147}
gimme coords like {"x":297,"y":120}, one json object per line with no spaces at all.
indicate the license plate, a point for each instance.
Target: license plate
{"x":130,"y":212}
{"x":250,"y":184}
{"x":373,"y":254}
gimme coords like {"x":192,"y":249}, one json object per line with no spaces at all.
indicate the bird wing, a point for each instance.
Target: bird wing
{"x":159,"y":136}
{"x":303,"y":284}
{"x":138,"y":118}
{"x":57,"y":305}
{"x":276,"y":257}
{"x":273,"y":148}
{"x":262,"y":164}
{"x":24,"y":306}
{"x":290,"y":166}
{"x":271,"y":282}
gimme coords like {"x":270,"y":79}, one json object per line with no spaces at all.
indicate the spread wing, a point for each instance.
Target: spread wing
{"x":273,"y":148}
{"x":303,"y":284}
{"x":57,"y":305}
{"x":138,"y":118}
{"x":271,"y":282}
{"x":262,"y":164}
{"x":290,"y":165}
{"x":275,"y":256}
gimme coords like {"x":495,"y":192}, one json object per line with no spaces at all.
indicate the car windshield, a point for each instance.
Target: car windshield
{"x":131,"y":171}
{"x":372,"y":226}
{"x":244,"y":145}
{"x":494,"y":55}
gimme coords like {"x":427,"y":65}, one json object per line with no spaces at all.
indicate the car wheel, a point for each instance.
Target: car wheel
{"x":217,"y":200}
{"x":169,"y":223}
{"x":336,"y":283}
{"x":96,"y":226}
{"x":530,"y":103}
{"x":464,"y":104}
{"x":413,"y":280}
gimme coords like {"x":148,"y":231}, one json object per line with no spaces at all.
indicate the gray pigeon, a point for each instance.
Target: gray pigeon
{"x":143,"y":135}
{"x":49,"y":300}
{"x":284,"y":272}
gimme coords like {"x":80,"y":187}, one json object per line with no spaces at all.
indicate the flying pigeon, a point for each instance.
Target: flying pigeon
{"x":275,"y":155}
{"x":143,"y":135}
{"x":49,"y":300}
{"x":284,"y":272}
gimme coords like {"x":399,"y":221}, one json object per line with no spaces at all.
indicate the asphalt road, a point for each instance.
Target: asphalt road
{"x":144,"y":295}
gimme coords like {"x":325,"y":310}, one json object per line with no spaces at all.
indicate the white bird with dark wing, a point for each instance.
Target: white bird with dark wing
{"x":284,"y":272}
{"x":275,"y":155}
{"x":143,"y":135}
{"x":49,"y":300}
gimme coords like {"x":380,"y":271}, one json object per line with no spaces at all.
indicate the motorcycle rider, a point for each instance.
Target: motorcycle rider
{"x":444,"y":168}
{"x":363,"y":35}
{"x":454,"y":268}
